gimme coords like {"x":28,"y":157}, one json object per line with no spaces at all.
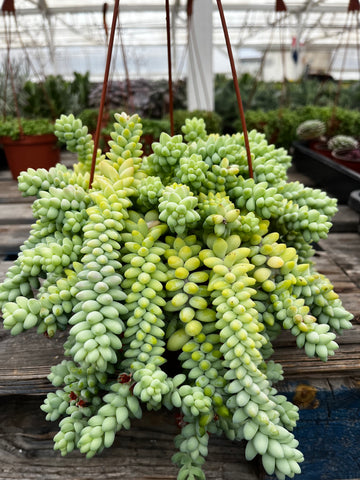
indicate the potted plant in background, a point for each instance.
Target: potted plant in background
{"x":29,"y":143}
{"x":326,"y":166}
{"x":345,"y":150}
{"x":312,"y":132}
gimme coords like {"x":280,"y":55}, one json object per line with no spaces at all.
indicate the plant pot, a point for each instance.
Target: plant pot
{"x":38,"y":151}
{"x":320,"y":147}
{"x":350,"y":159}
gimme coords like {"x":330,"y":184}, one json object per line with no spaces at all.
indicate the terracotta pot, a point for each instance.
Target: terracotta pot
{"x":38,"y":151}
{"x":349,"y":159}
{"x":320,"y":147}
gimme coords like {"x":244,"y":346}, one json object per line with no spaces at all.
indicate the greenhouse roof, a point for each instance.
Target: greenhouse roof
{"x":78,"y":29}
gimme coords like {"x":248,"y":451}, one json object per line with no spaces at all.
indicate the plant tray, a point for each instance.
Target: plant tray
{"x":328,"y":175}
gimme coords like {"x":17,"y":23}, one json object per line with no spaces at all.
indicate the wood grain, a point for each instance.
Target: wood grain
{"x":12,"y":237}
{"x":142,"y":453}
{"x":9,"y":192}
{"x":15,"y":214}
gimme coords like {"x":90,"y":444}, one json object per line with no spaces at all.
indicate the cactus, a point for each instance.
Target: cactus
{"x":343,"y":143}
{"x":310,"y":129}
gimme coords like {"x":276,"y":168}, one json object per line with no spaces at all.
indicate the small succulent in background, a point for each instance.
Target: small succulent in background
{"x":343,"y":143}
{"x":310,"y":129}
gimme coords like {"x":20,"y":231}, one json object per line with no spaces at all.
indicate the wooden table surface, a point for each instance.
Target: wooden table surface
{"x":144,"y":452}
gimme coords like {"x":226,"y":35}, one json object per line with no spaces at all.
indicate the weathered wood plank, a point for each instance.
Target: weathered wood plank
{"x":25,"y":361}
{"x":4,"y":267}
{"x":9,"y":192}
{"x":16,"y":213}
{"x":344,"y":250}
{"x":142,"y":453}
{"x":345,"y":220}
{"x":12,"y":237}
{"x":297,"y":365}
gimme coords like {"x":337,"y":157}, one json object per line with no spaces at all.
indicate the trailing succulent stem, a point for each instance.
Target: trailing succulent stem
{"x":172,"y":276}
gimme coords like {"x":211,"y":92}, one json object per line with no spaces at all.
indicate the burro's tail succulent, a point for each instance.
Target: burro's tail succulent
{"x":175,"y":256}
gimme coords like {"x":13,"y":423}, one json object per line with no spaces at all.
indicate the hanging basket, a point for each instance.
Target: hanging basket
{"x":31,"y":151}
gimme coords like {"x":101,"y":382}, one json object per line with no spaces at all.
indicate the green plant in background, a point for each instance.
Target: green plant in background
{"x":89,"y":117}
{"x":154,"y":127}
{"x":55,"y":96}
{"x":20,"y":72}
{"x":280,"y":125}
{"x":40,"y":126}
{"x":80,"y":88}
{"x":268,"y":96}
{"x":346,"y":122}
{"x":176,"y":255}
{"x":308,"y":91}
{"x":311,"y":129}
{"x":342,"y":142}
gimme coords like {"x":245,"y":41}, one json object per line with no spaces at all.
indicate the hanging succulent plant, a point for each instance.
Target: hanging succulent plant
{"x":177,"y":252}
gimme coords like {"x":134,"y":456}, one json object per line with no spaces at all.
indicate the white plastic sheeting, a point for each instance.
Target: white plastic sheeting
{"x":66,"y":36}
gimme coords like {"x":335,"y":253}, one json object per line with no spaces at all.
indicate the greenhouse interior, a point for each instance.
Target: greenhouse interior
{"x":180,"y":240}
